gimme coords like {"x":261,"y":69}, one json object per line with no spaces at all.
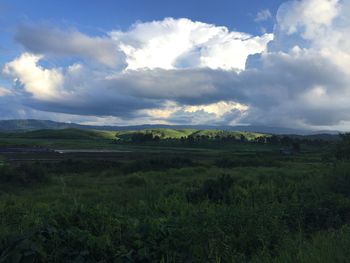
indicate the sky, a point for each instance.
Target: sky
{"x":274,"y":63}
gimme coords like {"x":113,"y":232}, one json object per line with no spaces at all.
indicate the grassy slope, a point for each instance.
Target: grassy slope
{"x":95,"y":134}
{"x":61,"y":134}
{"x":59,"y":139}
{"x":70,"y":134}
{"x":237,"y":134}
{"x":93,"y":139}
{"x":176,"y":134}
{"x":162,"y":133}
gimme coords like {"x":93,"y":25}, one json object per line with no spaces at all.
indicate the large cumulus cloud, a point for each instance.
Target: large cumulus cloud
{"x":181,"y":71}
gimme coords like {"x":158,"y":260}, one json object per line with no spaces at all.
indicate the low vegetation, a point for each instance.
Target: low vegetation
{"x":276,"y":199}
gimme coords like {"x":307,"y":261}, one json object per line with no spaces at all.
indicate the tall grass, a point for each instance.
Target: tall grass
{"x":175,"y":210}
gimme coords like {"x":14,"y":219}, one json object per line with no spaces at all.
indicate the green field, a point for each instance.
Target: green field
{"x":215,"y":197}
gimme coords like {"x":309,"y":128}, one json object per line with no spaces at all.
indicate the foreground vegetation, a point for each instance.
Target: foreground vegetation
{"x":203,"y":200}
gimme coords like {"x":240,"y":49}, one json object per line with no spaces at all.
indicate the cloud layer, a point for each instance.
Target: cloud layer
{"x":183,"y":71}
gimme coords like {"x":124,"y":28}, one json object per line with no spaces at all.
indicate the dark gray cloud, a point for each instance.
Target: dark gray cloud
{"x":56,"y":42}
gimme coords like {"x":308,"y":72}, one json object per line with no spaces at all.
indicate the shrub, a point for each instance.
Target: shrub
{"x":23,"y":174}
{"x":252,"y":161}
{"x":156,"y":164}
{"x":135,"y":180}
{"x":340,"y":180}
{"x":343,"y":147}
{"x":215,"y":190}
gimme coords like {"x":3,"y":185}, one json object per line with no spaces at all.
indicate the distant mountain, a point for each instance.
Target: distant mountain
{"x":32,"y":125}
{"x":283,"y":130}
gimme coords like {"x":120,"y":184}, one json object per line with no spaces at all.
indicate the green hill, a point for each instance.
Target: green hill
{"x":224,"y":134}
{"x":62,"y":134}
{"x":184,"y":133}
{"x":161,"y":133}
{"x":31,"y":125}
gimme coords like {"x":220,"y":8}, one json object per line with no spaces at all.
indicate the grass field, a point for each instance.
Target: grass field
{"x":170,"y":201}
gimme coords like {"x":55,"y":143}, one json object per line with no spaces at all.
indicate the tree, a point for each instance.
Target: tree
{"x":296,"y":147}
{"x":242,"y":138}
{"x":343,"y":147}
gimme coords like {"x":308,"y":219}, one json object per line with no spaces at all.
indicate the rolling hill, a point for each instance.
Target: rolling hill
{"x":71,"y":134}
{"x":79,"y":134}
{"x":161,"y":133}
{"x":32,"y":125}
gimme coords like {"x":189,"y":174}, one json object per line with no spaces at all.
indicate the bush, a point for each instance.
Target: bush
{"x":156,"y":164}
{"x":135,"y":180}
{"x":80,"y":166}
{"x":251,"y":161}
{"x":342,"y":151}
{"x":23,"y":174}
{"x":340,"y":180}
{"x":215,"y":190}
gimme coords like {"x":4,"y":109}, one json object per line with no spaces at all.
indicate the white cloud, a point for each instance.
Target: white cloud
{"x":213,"y":113}
{"x":263,"y":15}
{"x":219,"y":108}
{"x":166,"y":44}
{"x":312,"y":17}
{"x":180,"y":43}
{"x":41,"y":83}
{"x":4,"y":92}
{"x":323,"y":25}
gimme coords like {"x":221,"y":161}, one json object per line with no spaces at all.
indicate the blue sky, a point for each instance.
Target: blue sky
{"x":109,"y":14}
{"x":281,"y":63}
{"x":96,"y":17}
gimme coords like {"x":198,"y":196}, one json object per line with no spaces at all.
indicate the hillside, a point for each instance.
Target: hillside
{"x":161,"y":133}
{"x":31,"y":125}
{"x":222,"y":134}
{"x":62,"y":134}
{"x":185,"y":133}
{"x":28,"y":125}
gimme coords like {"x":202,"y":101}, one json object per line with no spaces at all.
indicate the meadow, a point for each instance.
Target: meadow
{"x":173,"y":196}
